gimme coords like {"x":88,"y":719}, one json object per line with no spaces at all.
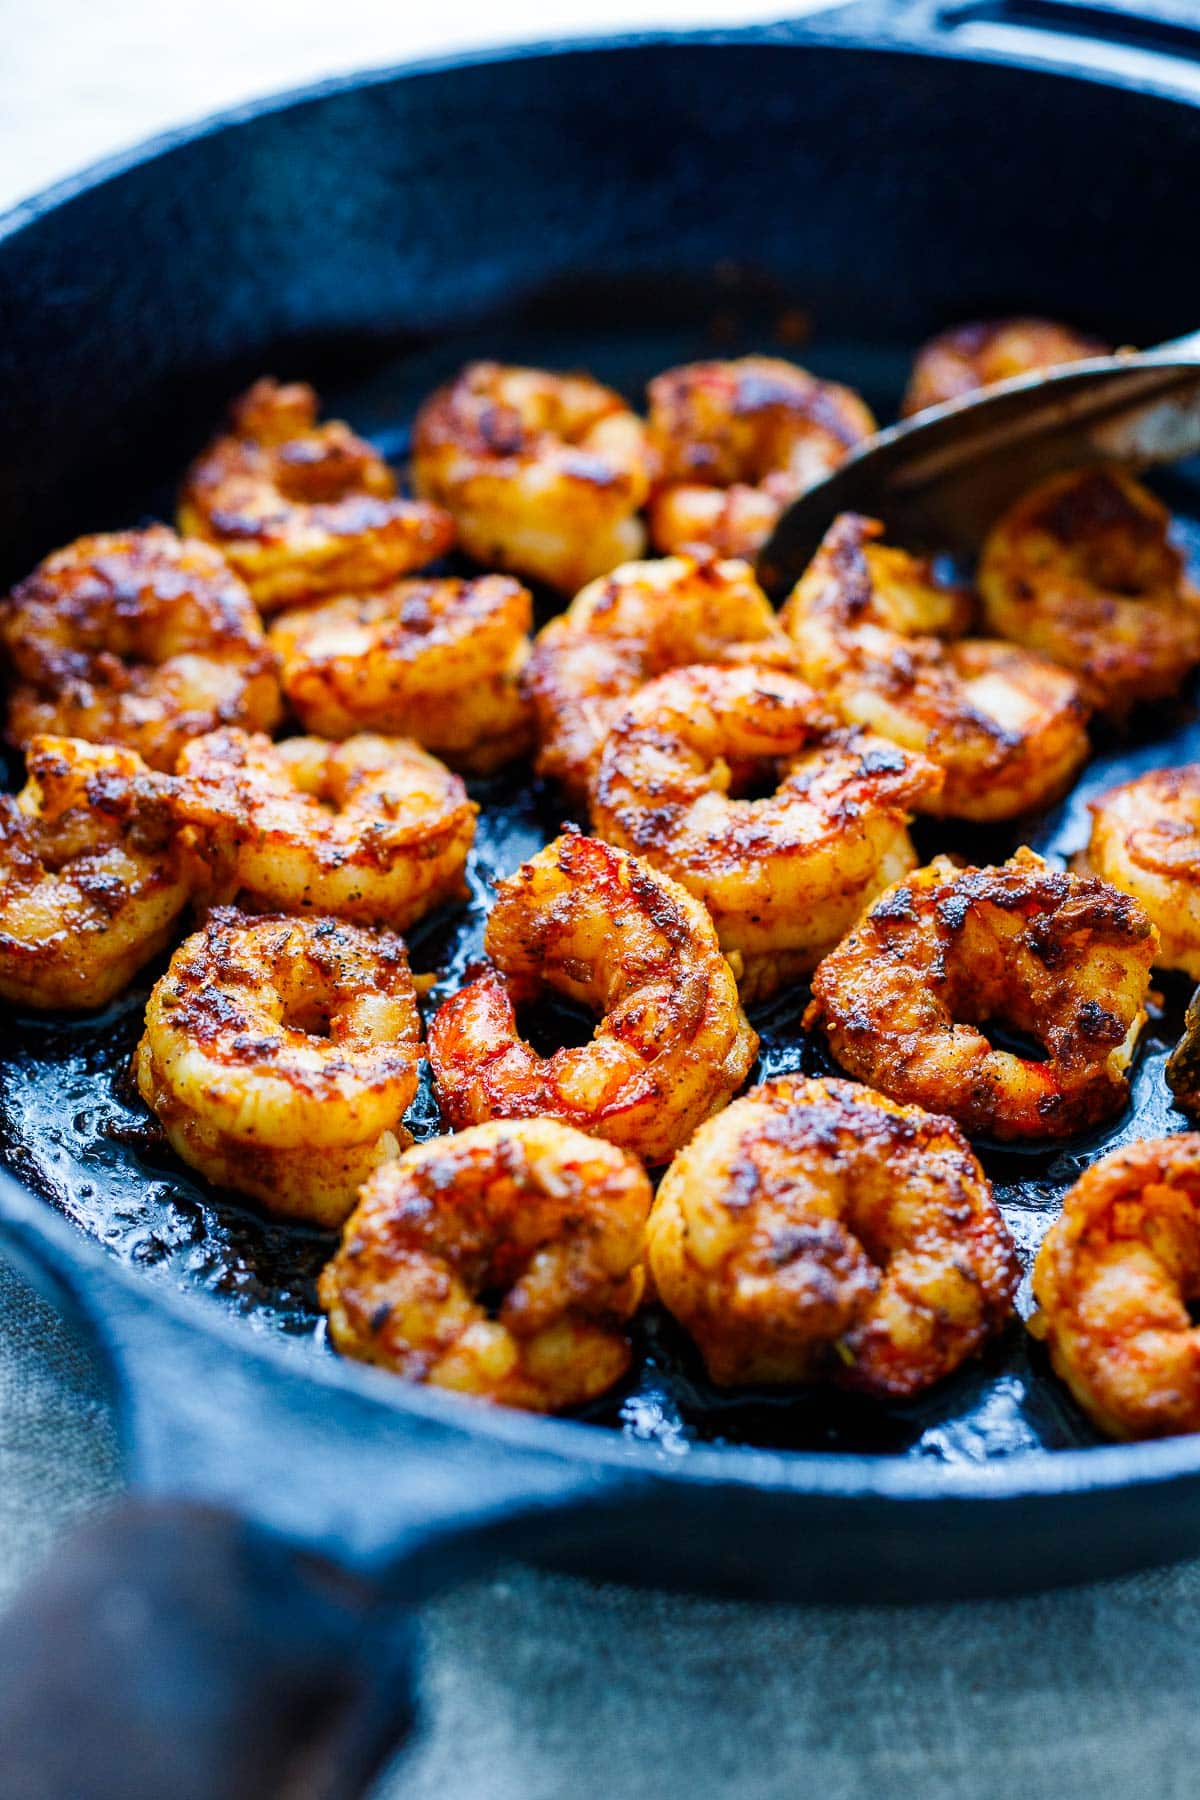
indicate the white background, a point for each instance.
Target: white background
{"x":81,"y":78}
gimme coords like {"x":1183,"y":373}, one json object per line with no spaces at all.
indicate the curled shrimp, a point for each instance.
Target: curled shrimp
{"x":783,"y":877}
{"x":280,"y":1055}
{"x":736,"y":442}
{"x":90,"y":878}
{"x":439,"y":661}
{"x":1082,"y":569}
{"x":968,"y":357}
{"x":1146,"y":841}
{"x":301,"y":509}
{"x":1114,"y":1280}
{"x":626,"y":628}
{"x":136,"y":638}
{"x":543,"y":473}
{"x":372,"y":829}
{"x":593,"y":924}
{"x":869,"y":621}
{"x":1064,"y":959}
{"x":818,"y":1231}
{"x":546,"y":1220}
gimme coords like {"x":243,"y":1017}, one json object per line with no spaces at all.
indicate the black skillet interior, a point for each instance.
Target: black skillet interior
{"x":72,"y":1127}
{"x":619,"y":207}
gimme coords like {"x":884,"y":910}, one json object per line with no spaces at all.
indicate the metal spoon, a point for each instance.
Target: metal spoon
{"x":940,"y":480}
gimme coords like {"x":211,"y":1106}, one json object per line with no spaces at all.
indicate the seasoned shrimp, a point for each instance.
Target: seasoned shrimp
{"x":439,"y":661}
{"x":90,"y":879}
{"x":1008,"y":727}
{"x":784,"y":877}
{"x":543,"y":473}
{"x":816,"y":1231}
{"x":1146,"y":841}
{"x":549,"y":1221}
{"x":591,"y":923}
{"x":1115,"y":1279}
{"x":373,"y":829}
{"x":1064,"y":959}
{"x":136,"y":638}
{"x":1182,"y":1069}
{"x":628,"y":627}
{"x":968,"y":357}
{"x":737,"y":441}
{"x":302,"y":509}
{"x":1082,"y":569}
{"x":280,"y":1055}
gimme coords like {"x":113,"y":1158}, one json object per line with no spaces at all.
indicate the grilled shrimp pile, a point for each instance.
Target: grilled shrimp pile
{"x":247,"y":750}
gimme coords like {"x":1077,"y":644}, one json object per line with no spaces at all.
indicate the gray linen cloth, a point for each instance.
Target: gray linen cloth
{"x":543,"y":1688}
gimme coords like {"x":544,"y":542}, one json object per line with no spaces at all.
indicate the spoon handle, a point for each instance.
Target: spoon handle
{"x":1180,"y":349}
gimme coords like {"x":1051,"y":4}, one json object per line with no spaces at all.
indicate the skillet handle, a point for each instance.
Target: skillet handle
{"x":172,"y":1649}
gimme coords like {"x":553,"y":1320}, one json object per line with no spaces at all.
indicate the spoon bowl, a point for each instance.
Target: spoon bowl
{"x":940,"y":480}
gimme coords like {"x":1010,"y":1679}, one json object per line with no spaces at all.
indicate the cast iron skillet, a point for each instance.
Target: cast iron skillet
{"x":237,"y":1627}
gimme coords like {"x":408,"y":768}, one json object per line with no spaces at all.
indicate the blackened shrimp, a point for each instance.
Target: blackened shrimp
{"x":372,"y":829}
{"x":439,"y":661}
{"x":503,"y":1262}
{"x":870,"y":624}
{"x":599,"y":927}
{"x":302,"y":509}
{"x":1116,"y":1281}
{"x":1064,"y":959}
{"x":818,"y":1231}
{"x":784,"y":876}
{"x":736,"y":441}
{"x":968,"y":357}
{"x":137,"y":638}
{"x":1146,"y":841}
{"x":1083,"y":569}
{"x":628,"y":627}
{"x":544,"y":473}
{"x":91,"y":881}
{"x":280,"y":1055}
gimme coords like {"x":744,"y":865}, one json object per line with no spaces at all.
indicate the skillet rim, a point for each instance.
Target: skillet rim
{"x":80,"y":1266}
{"x":832,"y":28}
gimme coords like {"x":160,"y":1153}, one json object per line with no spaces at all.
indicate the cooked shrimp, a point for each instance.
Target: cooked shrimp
{"x":1146,"y":841}
{"x":373,"y":829}
{"x":784,"y":877}
{"x":737,"y":441}
{"x":628,"y":627}
{"x":550,"y":1222}
{"x":302,"y":509}
{"x":1008,"y":727}
{"x":136,"y":638}
{"x":1114,"y":1279}
{"x":589,"y":922}
{"x":90,"y":880}
{"x":818,"y":1231}
{"x":543,"y":473}
{"x":1182,"y":1069}
{"x":1082,"y":569}
{"x":1064,"y":959}
{"x":439,"y":661}
{"x":969,"y":357}
{"x":280,"y":1054}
